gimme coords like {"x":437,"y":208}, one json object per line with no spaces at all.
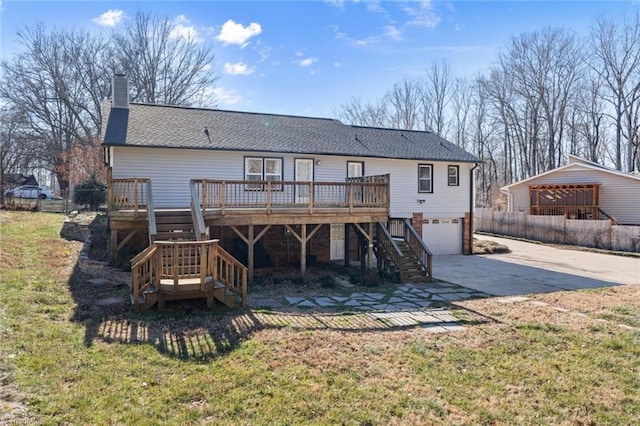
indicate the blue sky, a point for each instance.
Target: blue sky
{"x":309,"y":57}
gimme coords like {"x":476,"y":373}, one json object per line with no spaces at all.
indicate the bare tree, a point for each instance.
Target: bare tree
{"x":44,"y":82}
{"x":162,"y":65}
{"x":15,"y":149}
{"x":358,"y":113}
{"x":403,"y":99}
{"x":616,"y":58}
{"x":59,"y":79}
{"x":436,"y":96}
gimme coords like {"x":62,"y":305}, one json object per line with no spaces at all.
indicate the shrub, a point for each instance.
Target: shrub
{"x":91,"y":192}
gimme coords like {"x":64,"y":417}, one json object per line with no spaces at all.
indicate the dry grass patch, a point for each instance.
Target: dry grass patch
{"x":546,"y":360}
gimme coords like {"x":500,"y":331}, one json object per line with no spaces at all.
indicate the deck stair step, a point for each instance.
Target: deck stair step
{"x":174,"y":225}
{"x":411,"y":267}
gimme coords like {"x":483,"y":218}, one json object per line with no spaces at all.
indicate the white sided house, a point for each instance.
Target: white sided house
{"x":580,"y":189}
{"x":295,"y":189}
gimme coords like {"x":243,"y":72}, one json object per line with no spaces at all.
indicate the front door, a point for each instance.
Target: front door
{"x":303,"y":173}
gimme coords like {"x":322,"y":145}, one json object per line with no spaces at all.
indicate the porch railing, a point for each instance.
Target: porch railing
{"x":129,"y":194}
{"x":270,"y":195}
{"x":570,"y":212}
{"x":178,"y":260}
{"x":232,"y":273}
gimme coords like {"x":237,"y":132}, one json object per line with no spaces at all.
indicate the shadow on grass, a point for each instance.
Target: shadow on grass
{"x":204,"y":335}
{"x":189,"y":331}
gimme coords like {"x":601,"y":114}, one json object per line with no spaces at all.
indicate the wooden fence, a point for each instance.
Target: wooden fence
{"x":559,"y":230}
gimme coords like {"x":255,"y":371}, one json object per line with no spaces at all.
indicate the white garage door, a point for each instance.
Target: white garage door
{"x":443,"y":235}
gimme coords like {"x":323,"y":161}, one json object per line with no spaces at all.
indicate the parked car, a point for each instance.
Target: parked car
{"x":30,"y":191}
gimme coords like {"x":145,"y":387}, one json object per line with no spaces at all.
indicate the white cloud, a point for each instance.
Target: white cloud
{"x":110,"y":18}
{"x":423,"y":15}
{"x":183,"y":30}
{"x":337,"y":3}
{"x":233,"y":33}
{"x":337,"y":64}
{"x":237,"y":69}
{"x":307,"y":61}
{"x":228,"y":97}
{"x":393,"y":32}
{"x":340,"y":35}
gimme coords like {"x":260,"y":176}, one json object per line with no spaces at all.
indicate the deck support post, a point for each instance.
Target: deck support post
{"x":303,"y":249}
{"x":303,"y":238}
{"x":250,"y":254}
{"x":347,"y":254}
{"x":113,"y":245}
{"x":116,"y":246}
{"x":370,"y":247}
{"x":368,"y":237}
{"x":250,"y":241}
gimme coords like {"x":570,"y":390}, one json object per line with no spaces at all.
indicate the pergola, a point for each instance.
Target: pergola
{"x":572,"y":200}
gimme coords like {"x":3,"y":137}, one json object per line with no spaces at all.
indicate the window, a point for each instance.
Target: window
{"x":355,"y":169}
{"x":260,"y":169}
{"x":425,"y":178}
{"x":453,"y":173}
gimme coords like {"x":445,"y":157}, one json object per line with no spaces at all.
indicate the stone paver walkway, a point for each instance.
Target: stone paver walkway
{"x":407,"y":305}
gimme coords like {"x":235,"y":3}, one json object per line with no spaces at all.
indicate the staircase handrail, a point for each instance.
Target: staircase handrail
{"x":389,"y":247}
{"x":231,"y":272}
{"x":196,"y":213}
{"x":613,"y":220}
{"x":418,"y":247}
{"x":144,"y":272}
{"x":151,"y":214}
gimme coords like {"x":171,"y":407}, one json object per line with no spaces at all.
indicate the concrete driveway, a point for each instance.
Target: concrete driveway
{"x":535,"y":268}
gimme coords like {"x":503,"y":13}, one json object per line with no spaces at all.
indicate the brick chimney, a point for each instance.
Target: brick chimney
{"x":120,"y":92}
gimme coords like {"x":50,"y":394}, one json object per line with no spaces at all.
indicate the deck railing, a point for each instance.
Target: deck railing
{"x":196,"y":213}
{"x":570,"y":212}
{"x":232,"y":273}
{"x":144,"y":273}
{"x":129,"y":194}
{"x":269,"y":195}
{"x":178,"y":260}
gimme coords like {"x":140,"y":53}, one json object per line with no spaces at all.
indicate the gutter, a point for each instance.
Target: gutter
{"x":471,"y":206}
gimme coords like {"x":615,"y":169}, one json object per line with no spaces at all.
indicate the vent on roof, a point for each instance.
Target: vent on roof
{"x":120,"y":95}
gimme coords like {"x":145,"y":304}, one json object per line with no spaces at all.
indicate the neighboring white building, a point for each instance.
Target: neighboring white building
{"x":580,"y":189}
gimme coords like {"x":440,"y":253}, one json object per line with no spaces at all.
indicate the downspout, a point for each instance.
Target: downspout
{"x":509,"y":198}
{"x":471,"y":206}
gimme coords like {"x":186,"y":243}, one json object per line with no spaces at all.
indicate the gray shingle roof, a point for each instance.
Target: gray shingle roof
{"x":182,"y":127}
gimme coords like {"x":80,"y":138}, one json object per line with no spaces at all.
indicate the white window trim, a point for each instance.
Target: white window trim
{"x":429,"y":179}
{"x":457,"y":175}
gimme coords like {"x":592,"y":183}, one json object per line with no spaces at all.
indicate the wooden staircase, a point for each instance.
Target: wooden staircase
{"x":400,"y":251}
{"x":180,"y":270}
{"x":410,"y":267}
{"x":173,"y":225}
{"x":180,"y":264}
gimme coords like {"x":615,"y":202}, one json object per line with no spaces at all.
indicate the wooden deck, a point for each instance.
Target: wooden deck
{"x":240,"y":206}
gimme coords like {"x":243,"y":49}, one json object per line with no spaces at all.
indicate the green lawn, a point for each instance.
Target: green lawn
{"x":239,"y":368}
